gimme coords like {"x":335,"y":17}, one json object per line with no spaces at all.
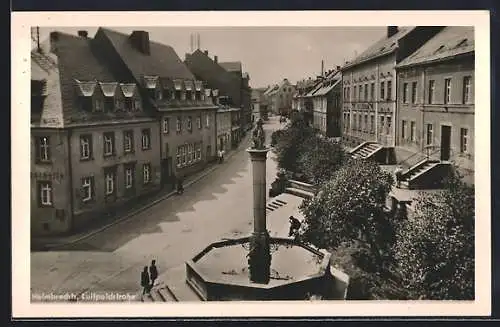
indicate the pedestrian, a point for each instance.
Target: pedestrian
{"x":294,"y":226}
{"x":399,"y":173}
{"x":153,"y":272}
{"x":145,"y":281}
{"x":180,"y":188}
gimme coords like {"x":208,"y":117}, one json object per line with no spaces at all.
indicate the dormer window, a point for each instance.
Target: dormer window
{"x":166,"y":94}
{"x":99,"y":105}
{"x":179,"y":94}
{"x":86,"y":103}
{"x":198,"y":90}
{"x":137,"y":105}
{"x":109,"y":104}
{"x":128,"y":104}
{"x":119,"y":105}
{"x":189,"y":95}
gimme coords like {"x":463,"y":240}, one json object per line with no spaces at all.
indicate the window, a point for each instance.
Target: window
{"x":166,"y":123}
{"x":372,"y":91}
{"x":178,"y":94}
{"x":429,"y":135}
{"x":146,"y":173}
{"x":86,"y":103}
{"x":382,"y":91}
{"x":189,"y":95}
{"x":178,"y":155}
{"x":431,"y":91}
{"x":388,"y":123}
{"x":389,"y":90}
{"x":360,"y":126}
{"x":190,"y":153}
{"x":129,"y":177}
{"x":354,"y":93}
{"x":109,"y":104}
{"x":43,"y":149}
{"x":109,"y":143}
{"x":467,"y":90}
{"x":447,"y":90}
{"x":109,"y":181}
{"x":207,"y":122}
{"x":137,"y":105}
{"x":403,"y":129}
{"x":464,"y":140}
{"x":45,"y":194}
{"x":119,"y":105}
{"x":413,"y":92}
{"x":128,"y":141}
{"x":382,"y":124}
{"x":183,"y":95}
{"x":159,"y":94}
{"x":128,"y":104}
{"x":198,"y":151}
{"x":166,"y":94}
{"x":413,"y":131}
{"x":360,"y":92}
{"x":198,"y":95}
{"x":366,"y":122}
{"x":85,"y":147}
{"x":146,"y":139}
{"x":366,"y":92}
{"x":198,"y":121}
{"x":86,"y":190}
{"x":189,"y":124}
{"x":99,"y":105}
{"x":405,"y":92}
{"x":178,"y":124}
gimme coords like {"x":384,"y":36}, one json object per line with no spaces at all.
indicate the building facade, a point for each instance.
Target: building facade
{"x":94,"y":140}
{"x":369,"y":90}
{"x":436,"y":101}
{"x":280,"y":97}
{"x":326,"y":104}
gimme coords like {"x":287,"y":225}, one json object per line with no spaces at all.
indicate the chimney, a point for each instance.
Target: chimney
{"x":54,"y":37}
{"x":391,"y":30}
{"x":205,"y":52}
{"x":216,"y":59}
{"x":83,"y":34}
{"x":322,"y":68}
{"x":140,"y":40}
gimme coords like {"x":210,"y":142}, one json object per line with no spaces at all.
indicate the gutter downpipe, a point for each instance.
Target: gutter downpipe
{"x":70,"y":173}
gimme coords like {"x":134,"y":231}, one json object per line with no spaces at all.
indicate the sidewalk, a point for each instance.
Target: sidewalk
{"x":128,"y":212}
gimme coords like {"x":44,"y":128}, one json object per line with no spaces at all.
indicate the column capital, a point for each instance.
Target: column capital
{"x":258,"y":154}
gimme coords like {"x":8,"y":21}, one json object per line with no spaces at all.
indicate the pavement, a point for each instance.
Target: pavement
{"x":110,"y":259}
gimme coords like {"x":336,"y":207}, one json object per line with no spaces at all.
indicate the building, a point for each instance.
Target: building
{"x":184,"y":108}
{"x":369,"y":92}
{"x":259,"y":109}
{"x":94,"y":137}
{"x":280,"y":97}
{"x":326,"y":103}
{"x":435,"y":117}
{"x":235,"y":68}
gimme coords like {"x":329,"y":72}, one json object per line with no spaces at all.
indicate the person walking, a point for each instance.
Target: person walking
{"x":399,"y":173}
{"x":180,"y":188}
{"x":145,"y":281}
{"x":153,"y":272}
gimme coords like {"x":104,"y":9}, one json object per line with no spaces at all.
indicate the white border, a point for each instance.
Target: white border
{"x":21,"y":45}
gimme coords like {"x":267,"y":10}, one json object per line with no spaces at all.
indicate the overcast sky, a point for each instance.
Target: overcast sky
{"x":268,"y":54}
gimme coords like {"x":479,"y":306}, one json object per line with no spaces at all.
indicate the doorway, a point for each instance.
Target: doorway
{"x":445,"y":142}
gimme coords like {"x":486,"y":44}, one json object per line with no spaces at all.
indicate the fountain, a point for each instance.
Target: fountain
{"x":258,"y":267}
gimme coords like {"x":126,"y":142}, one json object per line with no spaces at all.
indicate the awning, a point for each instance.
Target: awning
{"x":198,"y":85}
{"x":150,"y":82}
{"x":188,"y":85}
{"x":128,"y":90}
{"x":85,"y":89}
{"x":108,"y":89}
{"x":215,"y":92}
{"x":207,"y":92}
{"x":178,"y":84}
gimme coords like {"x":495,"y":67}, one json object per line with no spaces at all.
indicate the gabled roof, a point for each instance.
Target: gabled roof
{"x":332,"y":78}
{"x":231,"y":66}
{"x":162,"y":61}
{"x":382,"y":47}
{"x":450,"y":42}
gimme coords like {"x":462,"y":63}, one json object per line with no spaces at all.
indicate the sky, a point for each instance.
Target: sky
{"x":268,"y":54}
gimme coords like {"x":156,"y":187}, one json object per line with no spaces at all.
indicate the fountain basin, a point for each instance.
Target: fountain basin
{"x":220,"y":271}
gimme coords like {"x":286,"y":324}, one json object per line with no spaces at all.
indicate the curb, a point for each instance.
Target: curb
{"x":130,"y":215}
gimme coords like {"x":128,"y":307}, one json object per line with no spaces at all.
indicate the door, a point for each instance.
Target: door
{"x":445,"y":142}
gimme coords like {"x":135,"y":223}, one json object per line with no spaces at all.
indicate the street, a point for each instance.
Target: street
{"x":172,"y":231}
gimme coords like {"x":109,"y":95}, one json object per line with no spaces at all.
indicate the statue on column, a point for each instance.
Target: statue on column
{"x":258,"y":136}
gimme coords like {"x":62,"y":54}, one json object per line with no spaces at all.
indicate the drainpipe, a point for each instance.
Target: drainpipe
{"x":394,"y":107}
{"x":377,"y":95}
{"x":422,"y":111}
{"x":70,"y":176}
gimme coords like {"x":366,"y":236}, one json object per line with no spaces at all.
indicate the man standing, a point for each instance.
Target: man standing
{"x":294,"y":226}
{"x":145,"y":281}
{"x":399,"y":173}
{"x":153,"y":272}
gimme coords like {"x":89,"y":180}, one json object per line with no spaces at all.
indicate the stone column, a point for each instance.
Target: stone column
{"x":259,"y":256}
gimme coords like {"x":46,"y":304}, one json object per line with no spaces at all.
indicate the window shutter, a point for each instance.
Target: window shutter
{"x":49,"y":146}
{"x":91,"y":147}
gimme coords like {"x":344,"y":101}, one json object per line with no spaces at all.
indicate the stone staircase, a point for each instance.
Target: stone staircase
{"x":300,"y":189}
{"x":160,"y":293}
{"x":365,"y":150}
{"x":418,"y":171}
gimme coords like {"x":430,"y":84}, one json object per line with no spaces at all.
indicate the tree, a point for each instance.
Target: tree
{"x":434,"y":250}
{"x":350,"y":207}
{"x":290,"y":144}
{"x":320,"y":160}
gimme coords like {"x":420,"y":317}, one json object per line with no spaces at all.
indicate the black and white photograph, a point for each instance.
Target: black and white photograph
{"x":319,"y":161}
